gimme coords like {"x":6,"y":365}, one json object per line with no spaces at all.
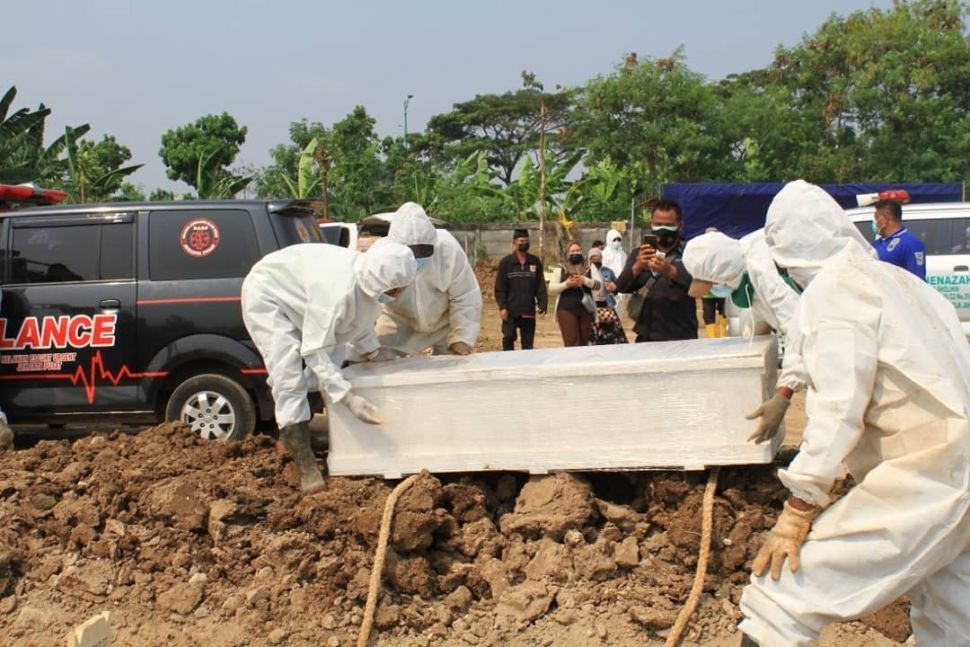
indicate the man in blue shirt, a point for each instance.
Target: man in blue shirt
{"x":894,"y":243}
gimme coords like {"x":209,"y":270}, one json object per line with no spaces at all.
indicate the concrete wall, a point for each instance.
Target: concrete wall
{"x":496,"y":239}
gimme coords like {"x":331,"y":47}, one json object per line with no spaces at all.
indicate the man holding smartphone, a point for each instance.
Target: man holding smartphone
{"x":668,"y":312}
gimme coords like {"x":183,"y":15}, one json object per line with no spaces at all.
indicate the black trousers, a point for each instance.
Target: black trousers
{"x":526,"y":327}
{"x":711,"y":308}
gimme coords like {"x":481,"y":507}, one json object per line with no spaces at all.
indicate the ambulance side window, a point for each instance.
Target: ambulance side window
{"x":203,"y":244}
{"x":934,"y":232}
{"x":55,"y":254}
{"x":117,"y":251}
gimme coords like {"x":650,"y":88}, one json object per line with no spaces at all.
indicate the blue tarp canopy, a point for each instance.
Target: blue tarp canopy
{"x":739,"y":209}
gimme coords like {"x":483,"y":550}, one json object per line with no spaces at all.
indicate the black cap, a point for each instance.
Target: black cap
{"x":520,"y":233}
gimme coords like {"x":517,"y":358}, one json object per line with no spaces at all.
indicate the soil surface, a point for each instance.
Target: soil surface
{"x":188,"y":542}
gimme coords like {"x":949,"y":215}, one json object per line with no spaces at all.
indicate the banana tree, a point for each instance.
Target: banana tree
{"x":85,"y":178}
{"x":215,"y":183}
{"x":23,"y":157}
{"x":307,"y":179}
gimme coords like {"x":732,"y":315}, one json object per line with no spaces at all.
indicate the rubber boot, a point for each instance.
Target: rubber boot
{"x":711,"y":330}
{"x":296,"y":439}
{"x":6,"y":436}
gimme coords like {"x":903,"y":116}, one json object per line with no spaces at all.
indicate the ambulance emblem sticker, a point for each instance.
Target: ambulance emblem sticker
{"x":199,"y":237}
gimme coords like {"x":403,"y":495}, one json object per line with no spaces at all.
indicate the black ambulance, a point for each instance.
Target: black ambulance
{"x":132,"y":311}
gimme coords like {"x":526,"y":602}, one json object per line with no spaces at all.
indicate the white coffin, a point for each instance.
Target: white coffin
{"x":630,"y":406}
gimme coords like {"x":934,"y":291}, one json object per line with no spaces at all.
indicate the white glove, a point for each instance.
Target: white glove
{"x":360,"y":407}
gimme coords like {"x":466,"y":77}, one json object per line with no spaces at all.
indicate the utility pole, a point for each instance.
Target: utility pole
{"x":406,"y":101}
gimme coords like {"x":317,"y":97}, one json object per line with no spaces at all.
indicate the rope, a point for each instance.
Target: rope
{"x":707,"y":524}
{"x":375,"y":575}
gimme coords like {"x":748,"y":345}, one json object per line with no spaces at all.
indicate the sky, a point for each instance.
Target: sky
{"x":135,"y":69}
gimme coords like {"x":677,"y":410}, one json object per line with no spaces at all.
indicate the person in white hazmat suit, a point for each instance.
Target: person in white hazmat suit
{"x":725,"y":266}
{"x":317,"y":304}
{"x":887,"y":371}
{"x":615,"y":258}
{"x":442,"y":310}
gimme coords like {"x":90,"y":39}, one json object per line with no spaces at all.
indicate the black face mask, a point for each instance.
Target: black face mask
{"x":523,"y":247}
{"x":666,"y":237}
{"x":576,"y":259}
{"x":598,"y":264}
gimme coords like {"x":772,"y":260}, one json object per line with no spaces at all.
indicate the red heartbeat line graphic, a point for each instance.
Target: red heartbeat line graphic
{"x":89,"y":377}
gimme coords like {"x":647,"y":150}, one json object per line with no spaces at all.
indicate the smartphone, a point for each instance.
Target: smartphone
{"x":649,"y":239}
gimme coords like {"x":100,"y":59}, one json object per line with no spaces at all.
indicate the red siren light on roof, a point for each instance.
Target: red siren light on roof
{"x":899,"y":195}
{"x":31,"y":194}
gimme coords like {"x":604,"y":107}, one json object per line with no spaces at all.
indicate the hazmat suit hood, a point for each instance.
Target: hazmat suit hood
{"x":716,"y":258}
{"x":806,"y":227}
{"x":615,"y":259}
{"x":384,"y":268}
{"x":411,"y":226}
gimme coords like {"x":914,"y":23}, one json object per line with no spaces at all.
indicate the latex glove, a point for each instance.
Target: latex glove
{"x":362,"y":409}
{"x":784,"y":541}
{"x":772,"y":412}
{"x":460,"y":348}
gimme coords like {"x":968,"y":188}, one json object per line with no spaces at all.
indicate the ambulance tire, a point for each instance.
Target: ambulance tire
{"x":215,"y":406}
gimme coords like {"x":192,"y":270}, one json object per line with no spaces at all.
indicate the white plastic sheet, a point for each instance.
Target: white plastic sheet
{"x":682,"y":403}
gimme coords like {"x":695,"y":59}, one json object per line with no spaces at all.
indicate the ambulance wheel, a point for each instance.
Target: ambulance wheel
{"x":216,"y":407}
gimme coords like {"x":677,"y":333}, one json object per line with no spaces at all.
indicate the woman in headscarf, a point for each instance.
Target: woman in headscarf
{"x":574,"y":282}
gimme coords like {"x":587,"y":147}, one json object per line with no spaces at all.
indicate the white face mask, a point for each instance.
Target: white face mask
{"x":617,"y":245}
{"x":722,"y":291}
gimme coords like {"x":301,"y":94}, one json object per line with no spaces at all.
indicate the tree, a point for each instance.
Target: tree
{"x":210,"y":145}
{"x":359,"y":182}
{"x":504,"y":127}
{"x":878,"y":96}
{"x":300,"y":161}
{"x":93,"y":170}
{"x":23,"y":157}
{"x":659,"y":113}
{"x":128,"y":192}
{"x":214,"y":182}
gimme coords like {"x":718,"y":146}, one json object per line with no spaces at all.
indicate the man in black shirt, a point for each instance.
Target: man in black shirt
{"x":520,"y":288}
{"x":668,"y":311}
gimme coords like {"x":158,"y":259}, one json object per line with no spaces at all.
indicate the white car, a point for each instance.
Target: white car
{"x":342,"y":234}
{"x":945,"y":230}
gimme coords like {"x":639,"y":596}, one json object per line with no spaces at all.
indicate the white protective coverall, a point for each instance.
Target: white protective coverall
{"x":444,"y":304}
{"x":888,"y":375}
{"x":615,"y":259}
{"x":718,"y":258}
{"x":317,"y":303}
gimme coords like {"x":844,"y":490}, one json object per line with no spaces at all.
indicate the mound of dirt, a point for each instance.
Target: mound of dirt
{"x":188,"y":542}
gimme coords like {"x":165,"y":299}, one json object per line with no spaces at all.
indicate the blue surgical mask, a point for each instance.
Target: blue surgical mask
{"x":385,"y":298}
{"x":421,"y":262}
{"x":722,"y":291}
{"x":617,"y":245}
{"x":875,"y":227}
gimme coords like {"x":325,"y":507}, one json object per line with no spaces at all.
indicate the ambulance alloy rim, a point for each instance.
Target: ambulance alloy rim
{"x":210,"y":414}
